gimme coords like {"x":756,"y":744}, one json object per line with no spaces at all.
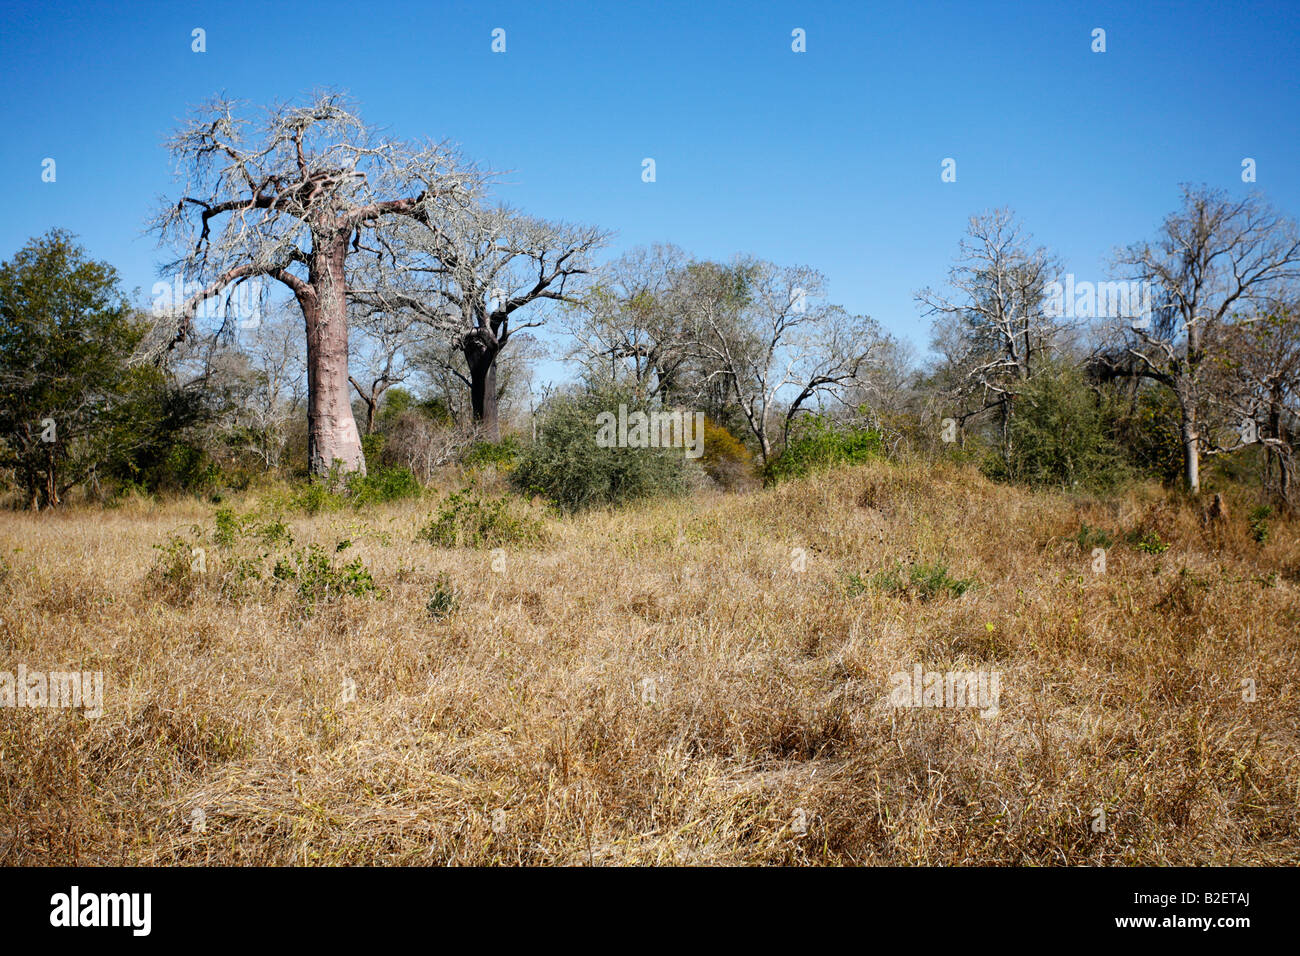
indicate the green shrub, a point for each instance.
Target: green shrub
{"x":568,"y":467}
{"x":381,"y":485}
{"x":1258,"y":518}
{"x":372,"y":447}
{"x":313,"y":498}
{"x":921,"y":581}
{"x":1060,"y":436}
{"x":469,"y":520}
{"x":817,"y":442}
{"x":319,"y":578}
{"x":503,"y":455}
{"x":228,"y":527}
{"x":1147,"y":430}
{"x":377,"y":486}
{"x":244,"y":554}
{"x":444,"y":600}
{"x":1149,"y":543}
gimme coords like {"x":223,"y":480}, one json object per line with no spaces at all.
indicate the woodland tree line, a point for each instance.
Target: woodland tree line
{"x":402,"y":339}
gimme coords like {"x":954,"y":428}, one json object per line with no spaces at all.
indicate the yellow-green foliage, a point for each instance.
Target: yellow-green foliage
{"x":726,"y":459}
{"x":467,"y":519}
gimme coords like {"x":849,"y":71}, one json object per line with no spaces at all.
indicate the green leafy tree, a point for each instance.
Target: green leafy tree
{"x":1061,"y":434}
{"x":66,"y":332}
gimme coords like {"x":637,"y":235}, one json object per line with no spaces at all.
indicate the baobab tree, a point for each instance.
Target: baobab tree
{"x":466,"y":276}
{"x":1214,"y":260}
{"x":290,"y":198}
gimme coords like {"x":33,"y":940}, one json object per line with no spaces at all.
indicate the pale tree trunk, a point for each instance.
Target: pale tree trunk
{"x":1006,"y":432}
{"x":1191,"y":453}
{"x":332,"y":438}
{"x":1189,"y":400}
{"x":758,"y":426}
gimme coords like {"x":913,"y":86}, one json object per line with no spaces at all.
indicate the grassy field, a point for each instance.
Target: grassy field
{"x":660,"y":685}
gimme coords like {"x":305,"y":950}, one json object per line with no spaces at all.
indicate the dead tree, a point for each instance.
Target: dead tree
{"x":996,"y":318}
{"x":466,"y":277}
{"x":1215,"y":258}
{"x":767,"y":332}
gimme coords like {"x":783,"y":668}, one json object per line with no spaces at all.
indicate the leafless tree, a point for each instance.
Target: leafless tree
{"x":381,"y":344}
{"x":423,"y":445}
{"x":289,"y":199}
{"x":252,"y":381}
{"x":993,"y":328}
{"x":1216,"y":260}
{"x":277,"y":387}
{"x":634,"y":325}
{"x":466,"y":276}
{"x":1254,"y":382}
{"x":768,"y":333}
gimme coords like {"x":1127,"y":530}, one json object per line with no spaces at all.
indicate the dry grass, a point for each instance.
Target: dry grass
{"x":519,"y":729}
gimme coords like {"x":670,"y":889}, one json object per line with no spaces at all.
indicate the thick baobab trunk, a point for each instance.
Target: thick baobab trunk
{"x":332,"y":439}
{"x":481,"y":352}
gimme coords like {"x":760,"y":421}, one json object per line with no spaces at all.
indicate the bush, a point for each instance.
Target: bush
{"x":921,"y":581}
{"x":1258,"y":518}
{"x":319,"y":578}
{"x":247,"y":556}
{"x":443,"y":600}
{"x":468,"y":520}
{"x":817,"y":442}
{"x":372,"y":447}
{"x":1060,"y":436}
{"x":726,"y":460}
{"x":356,"y":491}
{"x":566,"y":465}
{"x":383,"y":484}
{"x":1147,"y":431}
{"x":1149,"y":543}
{"x":313,"y":498}
{"x":502,"y":455}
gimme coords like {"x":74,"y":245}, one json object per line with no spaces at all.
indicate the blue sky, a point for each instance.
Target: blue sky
{"x":829,"y":158}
